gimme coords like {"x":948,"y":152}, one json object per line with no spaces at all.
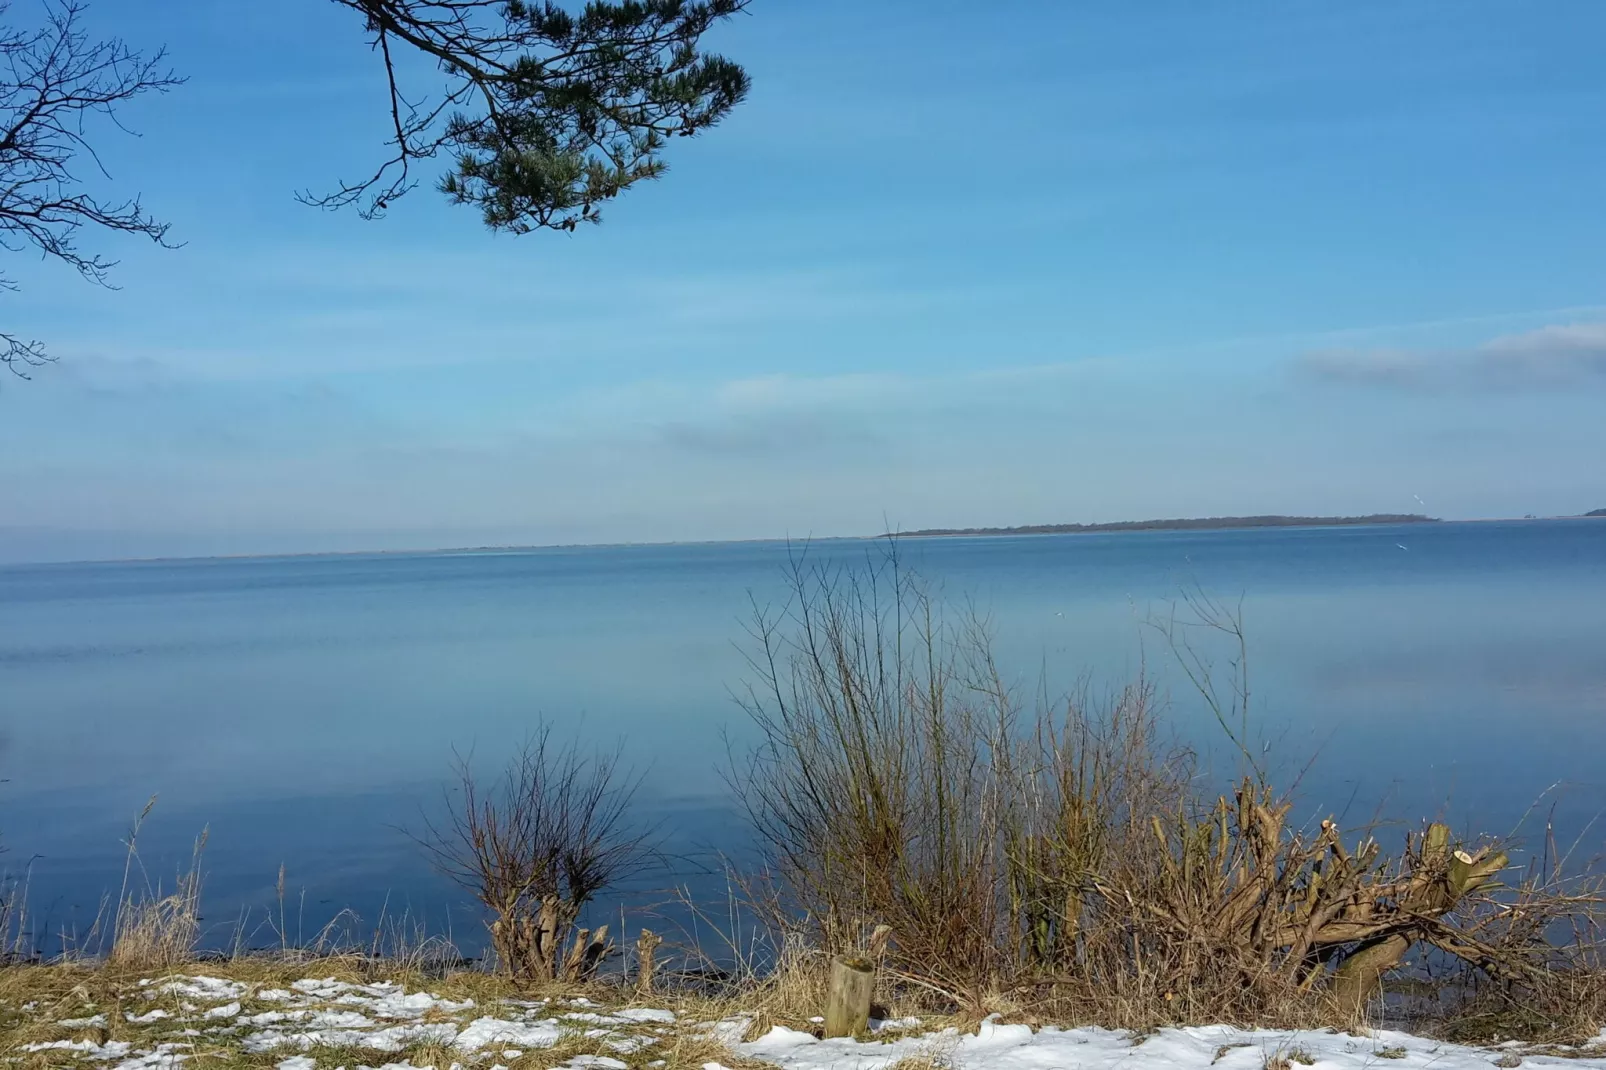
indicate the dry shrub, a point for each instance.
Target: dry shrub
{"x":1085,"y":787}
{"x":1240,"y":903}
{"x":897,"y":783}
{"x":1062,"y":860}
{"x":536,"y":847}
{"x":1528,"y":961}
{"x":876,"y":783}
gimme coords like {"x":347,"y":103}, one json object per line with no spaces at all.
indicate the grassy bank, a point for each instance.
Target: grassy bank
{"x":352,"y":1012}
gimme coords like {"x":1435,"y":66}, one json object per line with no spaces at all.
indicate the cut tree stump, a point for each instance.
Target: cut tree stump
{"x":646,"y":944}
{"x":847,"y":1007}
{"x":1443,"y":879}
{"x":586,"y":954}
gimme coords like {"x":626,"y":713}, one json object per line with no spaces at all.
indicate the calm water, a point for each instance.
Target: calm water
{"x":305,"y":707}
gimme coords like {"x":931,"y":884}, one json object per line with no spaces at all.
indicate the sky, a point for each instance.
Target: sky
{"x":950,"y":264}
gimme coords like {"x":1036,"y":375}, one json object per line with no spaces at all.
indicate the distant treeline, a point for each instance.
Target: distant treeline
{"x":1596,"y":512}
{"x":1192,"y":524}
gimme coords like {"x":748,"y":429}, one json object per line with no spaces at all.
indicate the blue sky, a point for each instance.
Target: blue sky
{"x":951,"y":264}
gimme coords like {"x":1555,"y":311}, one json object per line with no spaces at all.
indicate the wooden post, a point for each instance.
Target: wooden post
{"x":847,"y":1007}
{"x":646,"y":944}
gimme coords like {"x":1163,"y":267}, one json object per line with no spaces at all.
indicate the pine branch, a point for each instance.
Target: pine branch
{"x":545,"y":114}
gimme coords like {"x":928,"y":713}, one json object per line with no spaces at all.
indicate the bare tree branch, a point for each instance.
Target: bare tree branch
{"x":53,"y":81}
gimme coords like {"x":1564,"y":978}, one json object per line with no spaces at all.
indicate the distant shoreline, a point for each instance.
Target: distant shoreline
{"x":1211,"y":523}
{"x":1222,"y":523}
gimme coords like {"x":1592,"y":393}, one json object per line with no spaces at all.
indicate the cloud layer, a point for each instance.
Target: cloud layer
{"x":1557,"y":357}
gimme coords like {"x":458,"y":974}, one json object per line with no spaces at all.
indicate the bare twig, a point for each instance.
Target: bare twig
{"x":53,"y":80}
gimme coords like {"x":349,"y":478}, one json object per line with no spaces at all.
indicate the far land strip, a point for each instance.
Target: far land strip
{"x":1213,"y":523}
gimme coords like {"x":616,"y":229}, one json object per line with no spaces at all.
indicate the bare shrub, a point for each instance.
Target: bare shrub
{"x":534,"y":848}
{"x":884,"y":736}
{"x":1527,"y":960}
{"x":1085,"y":787}
{"x":898,"y":784}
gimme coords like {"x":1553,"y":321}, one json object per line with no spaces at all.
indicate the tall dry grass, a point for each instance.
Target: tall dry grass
{"x":154,"y":929}
{"x":17,"y":943}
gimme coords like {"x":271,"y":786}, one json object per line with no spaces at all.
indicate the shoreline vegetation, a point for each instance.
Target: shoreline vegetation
{"x":335,"y":1013}
{"x":985,"y":857}
{"x":1212,"y":523}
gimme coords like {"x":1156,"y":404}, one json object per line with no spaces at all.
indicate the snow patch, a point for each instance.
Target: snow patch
{"x":165,"y":1057}
{"x":729,"y":1031}
{"x":274,"y":1017}
{"x":645,"y":1014}
{"x":393,"y":1039}
{"x":340,"y":1020}
{"x":483,"y":1032}
{"x":414,"y":1005}
{"x":996,"y":1046}
{"x":112,"y":1049}
{"x":207,"y":989}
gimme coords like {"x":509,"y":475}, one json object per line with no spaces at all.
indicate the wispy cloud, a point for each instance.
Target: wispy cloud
{"x":771,"y":392}
{"x":799,"y":435}
{"x":1549,"y":358}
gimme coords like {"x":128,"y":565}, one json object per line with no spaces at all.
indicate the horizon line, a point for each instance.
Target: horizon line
{"x":1119,"y":527}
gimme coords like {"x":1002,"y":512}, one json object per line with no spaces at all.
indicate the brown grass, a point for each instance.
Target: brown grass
{"x":83,"y":989}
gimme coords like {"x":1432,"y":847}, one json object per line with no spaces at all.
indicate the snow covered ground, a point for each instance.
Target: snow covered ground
{"x":319,"y":1024}
{"x":1018,"y":1047}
